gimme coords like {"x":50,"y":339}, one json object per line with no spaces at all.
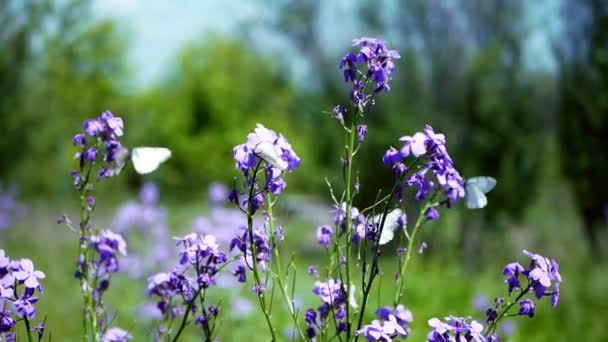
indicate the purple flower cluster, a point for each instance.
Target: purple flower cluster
{"x":263,"y":253}
{"x":116,"y":335}
{"x":176,"y":292}
{"x":542,"y":278}
{"x":455,"y":329}
{"x":19,"y":281}
{"x":99,"y":144}
{"x":103,"y":262}
{"x":268,"y":151}
{"x":373,"y":61}
{"x":390,"y":324}
{"x":9,"y":207}
{"x":358,"y":220}
{"x":432,"y":158}
{"x":333,"y":301}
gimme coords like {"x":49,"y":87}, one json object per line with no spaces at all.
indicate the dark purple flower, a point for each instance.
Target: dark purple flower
{"x":324,"y":234}
{"x":312,"y":271}
{"x":391,"y":157}
{"x":526,"y":307}
{"x":6,"y":321}
{"x":361,"y":132}
{"x":431,"y":214}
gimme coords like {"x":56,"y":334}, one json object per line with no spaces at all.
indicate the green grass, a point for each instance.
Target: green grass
{"x":438,"y":285}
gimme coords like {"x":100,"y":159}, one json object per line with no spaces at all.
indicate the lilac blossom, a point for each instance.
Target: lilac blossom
{"x":374,"y":62}
{"x":275,"y":156}
{"x":99,"y":144}
{"x":434,"y":169}
{"x":116,"y":335}
{"x":455,"y":329}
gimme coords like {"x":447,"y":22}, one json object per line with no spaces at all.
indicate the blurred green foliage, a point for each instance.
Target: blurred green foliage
{"x":462,"y":71}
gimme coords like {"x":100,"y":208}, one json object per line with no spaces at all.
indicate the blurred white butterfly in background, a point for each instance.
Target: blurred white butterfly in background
{"x":475,"y":189}
{"x":145,"y":159}
{"x":391,"y":223}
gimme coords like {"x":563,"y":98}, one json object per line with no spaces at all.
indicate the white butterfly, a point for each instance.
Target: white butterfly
{"x":148,"y":159}
{"x":269,"y":152}
{"x":475,"y":189}
{"x":390,"y":224}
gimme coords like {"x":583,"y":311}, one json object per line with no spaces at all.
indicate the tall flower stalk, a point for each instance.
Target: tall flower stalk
{"x":100,"y":153}
{"x":269,"y":154}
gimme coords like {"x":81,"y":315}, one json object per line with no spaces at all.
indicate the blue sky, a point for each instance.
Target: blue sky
{"x":159,"y":28}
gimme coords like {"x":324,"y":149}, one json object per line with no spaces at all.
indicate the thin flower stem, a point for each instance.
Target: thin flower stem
{"x":279,"y":275}
{"x":185,"y":319}
{"x":349,"y":204}
{"x":256,"y":275}
{"x":505,"y":310}
{"x":27,"y":329}
{"x":408,"y":253}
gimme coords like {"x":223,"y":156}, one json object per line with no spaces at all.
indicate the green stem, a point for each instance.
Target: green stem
{"x":185,"y":319}
{"x":256,"y":274}
{"x":349,"y":204}
{"x":28,"y":329}
{"x":408,"y":254}
{"x":279,"y":275}
{"x":505,"y":310}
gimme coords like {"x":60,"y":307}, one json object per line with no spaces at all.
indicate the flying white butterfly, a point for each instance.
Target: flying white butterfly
{"x":475,"y":189}
{"x":148,"y":159}
{"x":269,"y":152}
{"x":145,"y":159}
{"x":390,"y":225}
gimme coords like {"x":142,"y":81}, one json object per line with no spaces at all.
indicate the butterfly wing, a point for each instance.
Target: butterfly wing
{"x":484,"y":184}
{"x":148,"y":159}
{"x":390,"y":224}
{"x":268,"y":151}
{"x":475,"y":190}
{"x":474,"y":198}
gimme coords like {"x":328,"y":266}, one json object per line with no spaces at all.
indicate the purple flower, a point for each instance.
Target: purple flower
{"x":513,"y":270}
{"x":541,"y":273}
{"x":329,"y":292}
{"x":25,"y":306}
{"x":114,"y":123}
{"x":116,"y":335}
{"x":377,"y":62}
{"x":431,"y":214}
{"x":391,"y":157}
{"x":218,"y":193}
{"x":93,"y":127}
{"x":28,"y":275}
{"x":6,"y":321}
{"x":455,"y":329}
{"x":526,"y":307}
{"x":361,"y":132}
{"x":423,"y":247}
{"x":149,"y":194}
{"x":312,"y":271}
{"x":338,"y":113}
{"x":79,"y":140}
{"x":415,"y":145}
{"x":324,"y":234}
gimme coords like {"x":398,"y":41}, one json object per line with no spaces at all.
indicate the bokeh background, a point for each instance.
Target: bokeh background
{"x":520,"y":88}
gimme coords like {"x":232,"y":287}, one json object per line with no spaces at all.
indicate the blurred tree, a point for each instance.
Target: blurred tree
{"x":218,"y":93}
{"x":21,"y":32}
{"x":583,"y":54}
{"x":74,"y":74}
